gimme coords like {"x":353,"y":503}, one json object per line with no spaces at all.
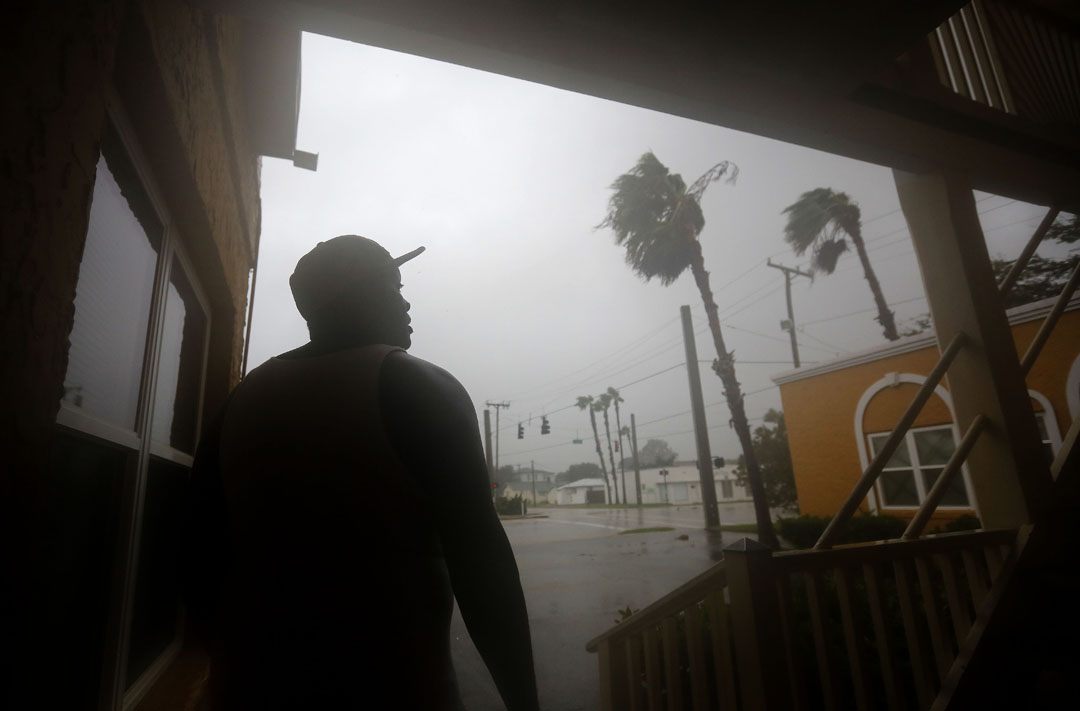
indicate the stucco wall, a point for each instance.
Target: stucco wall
{"x":820,"y":411}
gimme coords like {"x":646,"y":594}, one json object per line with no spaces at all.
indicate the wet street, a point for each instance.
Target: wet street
{"x":577,"y":573}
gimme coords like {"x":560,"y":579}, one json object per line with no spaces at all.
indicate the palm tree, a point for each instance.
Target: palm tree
{"x":657,"y":218}
{"x":819,"y":221}
{"x":616,"y":398}
{"x":603,"y":404}
{"x":587,"y":402}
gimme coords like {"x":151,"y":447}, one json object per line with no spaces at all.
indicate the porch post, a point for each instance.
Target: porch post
{"x":755,"y":617}
{"x":1008,"y":471}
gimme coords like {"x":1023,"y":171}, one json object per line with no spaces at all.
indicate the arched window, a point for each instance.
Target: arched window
{"x":920,"y":458}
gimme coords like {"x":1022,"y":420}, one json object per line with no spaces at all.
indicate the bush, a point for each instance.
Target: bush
{"x":967,"y":522}
{"x":868,"y":527}
{"x":804,"y":531}
{"x":511,"y":507}
{"x":801,"y":531}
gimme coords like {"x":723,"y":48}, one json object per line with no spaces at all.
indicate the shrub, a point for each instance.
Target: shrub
{"x":511,"y":507}
{"x":967,"y":522}
{"x":801,"y":531}
{"x":868,"y":527}
{"x":804,"y":531}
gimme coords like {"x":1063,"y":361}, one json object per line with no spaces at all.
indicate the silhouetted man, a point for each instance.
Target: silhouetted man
{"x":340,"y":502}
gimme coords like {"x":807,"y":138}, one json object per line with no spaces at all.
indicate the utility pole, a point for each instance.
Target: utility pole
{"x":788,"y":273}
{"x":637,"y":470}
{"x":487,"y":448}
{"x":701,"y":430}
{"x":532,"y":467}
{"x":498,"y":406}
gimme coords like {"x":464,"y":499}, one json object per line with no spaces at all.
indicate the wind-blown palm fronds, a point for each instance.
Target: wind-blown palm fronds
{"x":819,"y":221}
{"x":657,"y":219}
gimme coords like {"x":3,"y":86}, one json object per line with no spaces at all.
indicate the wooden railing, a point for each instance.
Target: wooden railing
{"x":868,"y":625}
{"x":918,"y":598}
{"x":674,"y":654}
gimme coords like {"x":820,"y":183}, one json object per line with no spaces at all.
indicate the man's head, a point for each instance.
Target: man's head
{"x":349,"y":289}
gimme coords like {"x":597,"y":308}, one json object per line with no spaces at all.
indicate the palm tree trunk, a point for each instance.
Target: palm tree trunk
{"x":885,"y":316}
{"x":725,"y":368}
{"x":611,"y":455}
{"x":599,"y":452}
{"x":622,"y":452}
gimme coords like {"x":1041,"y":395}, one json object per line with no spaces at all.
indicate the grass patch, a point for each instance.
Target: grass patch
{"x":654,"y":529}
{"x":739,"y":527}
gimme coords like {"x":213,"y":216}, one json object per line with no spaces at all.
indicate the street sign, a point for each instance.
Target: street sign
{"x":577,"y":441}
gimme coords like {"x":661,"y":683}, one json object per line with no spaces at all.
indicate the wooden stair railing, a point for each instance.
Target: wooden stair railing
{"x":1050,"y":322}
{"x":1026,"y":253}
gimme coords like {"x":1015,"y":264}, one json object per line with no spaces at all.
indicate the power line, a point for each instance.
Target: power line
{"x":836,"y":349}
{"x":771,"y":338}
{"x":617,"y":351}
{"x":756,"y":362}
{"x":863,"y":311}
{"x":620,"y":387}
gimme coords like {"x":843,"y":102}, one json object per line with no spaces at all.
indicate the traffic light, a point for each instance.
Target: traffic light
{"x":521,"y":431}
{"x":545,"y":428}
{"x":616,"y":445}
{"x":718,"y":461}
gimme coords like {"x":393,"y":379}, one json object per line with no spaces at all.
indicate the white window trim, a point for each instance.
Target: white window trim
{"x":916,"y":467}
{"x":75,"y":418}
{"x":139,"y":439}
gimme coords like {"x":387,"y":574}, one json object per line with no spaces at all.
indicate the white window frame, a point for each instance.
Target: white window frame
{"x":116,"y":693}
{"x":916,"y":467}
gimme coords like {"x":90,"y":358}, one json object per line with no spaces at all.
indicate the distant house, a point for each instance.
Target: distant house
{"x":680,"y":483}
{"x":583,"y":491}
{"x":865,"y":393}
{"x":528,"y":491}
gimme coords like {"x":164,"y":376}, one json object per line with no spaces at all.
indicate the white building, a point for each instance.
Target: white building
{"x":583,"y":491}
{"x":676,"y":484}
{"x":531,"y":493}
{"x":681,"y":484}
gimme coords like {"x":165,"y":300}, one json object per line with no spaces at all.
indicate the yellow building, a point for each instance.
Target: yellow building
{"x":863,"y":396}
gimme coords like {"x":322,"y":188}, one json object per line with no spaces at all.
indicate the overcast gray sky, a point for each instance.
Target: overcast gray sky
{"x":518,"y":295}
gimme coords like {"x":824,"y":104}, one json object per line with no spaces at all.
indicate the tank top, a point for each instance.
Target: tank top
{"x":337,"y":592}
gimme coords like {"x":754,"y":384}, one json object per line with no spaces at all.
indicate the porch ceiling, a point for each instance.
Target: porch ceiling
{"x":808,"y":73}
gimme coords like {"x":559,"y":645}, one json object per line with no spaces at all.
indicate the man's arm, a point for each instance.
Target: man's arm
{"x":431,"y":423}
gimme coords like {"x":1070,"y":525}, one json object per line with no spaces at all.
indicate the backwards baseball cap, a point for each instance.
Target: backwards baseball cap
{"x":340,"y":265}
